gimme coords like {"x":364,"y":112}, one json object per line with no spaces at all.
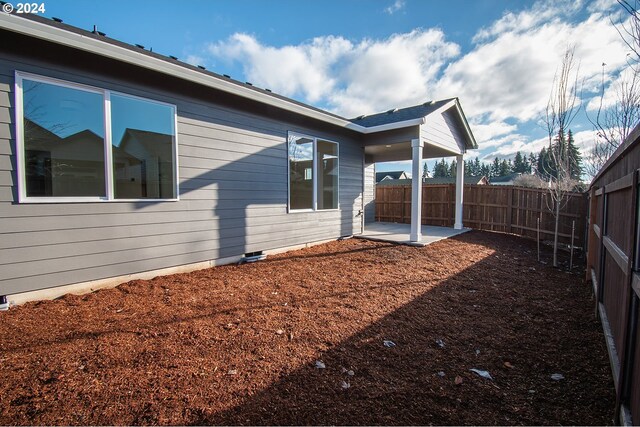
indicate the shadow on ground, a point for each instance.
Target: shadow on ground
{"x":238,"y":344}
{"x":518,"y":320}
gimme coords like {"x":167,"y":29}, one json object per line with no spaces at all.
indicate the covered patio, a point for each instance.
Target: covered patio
{"x":401,"y":233}
{"x":434,"y":129}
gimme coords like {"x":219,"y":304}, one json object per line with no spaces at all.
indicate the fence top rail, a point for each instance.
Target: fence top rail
{"x":632,"y":139}
{"x":483,"y":186}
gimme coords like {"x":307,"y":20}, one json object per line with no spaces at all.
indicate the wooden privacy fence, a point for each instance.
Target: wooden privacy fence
{"x":499,"y":208}
{"x":613,"y":260}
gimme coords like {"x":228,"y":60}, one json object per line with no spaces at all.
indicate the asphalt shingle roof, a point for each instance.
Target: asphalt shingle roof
{"x":400,"y":114}
{"x":392,"y":174}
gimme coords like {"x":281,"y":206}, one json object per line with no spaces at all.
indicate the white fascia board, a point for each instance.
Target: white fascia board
{"x":389,"y":126}
{"x":467,"y":129}
{"x":108,"y":50}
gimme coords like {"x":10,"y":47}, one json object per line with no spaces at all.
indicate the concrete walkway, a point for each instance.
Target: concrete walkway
{"x":399,"y":233}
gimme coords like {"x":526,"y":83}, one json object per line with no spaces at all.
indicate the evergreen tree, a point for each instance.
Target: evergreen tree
{"x":575,"y":157}
{"x":440,"y":169}
{"x":468,"y":168}
{"x":485,"y":170}
{"x":477,"y":168}
{"x":495,"y":167}
{"x":542,"y":164}
{"x":520,"y":163}
{"x":504,"y":168}
{"x":425,"y":171}
{"x":562,"y":149}
{"x":453,"y":169}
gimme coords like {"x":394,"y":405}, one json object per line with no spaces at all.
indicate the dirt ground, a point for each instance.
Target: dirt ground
{"x":240,"y":344}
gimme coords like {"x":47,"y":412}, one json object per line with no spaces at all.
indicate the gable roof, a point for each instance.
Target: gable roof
{"x":392,"y":174}
{"x":98,"y":43}
{"x":468,"y":179}
{"x":401,"y":114}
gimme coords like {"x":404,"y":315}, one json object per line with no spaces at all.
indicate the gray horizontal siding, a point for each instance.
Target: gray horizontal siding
{"x":233,"y":196}
{"x":187,"y":254}
{"x":439,"y":130}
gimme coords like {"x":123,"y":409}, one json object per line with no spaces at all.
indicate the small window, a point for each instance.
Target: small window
{"x":300,"y":172}
{"x":65,"y":154}
{"x":313,"y":173}
{"x":327,"y":175}
{"x":143,"y":138}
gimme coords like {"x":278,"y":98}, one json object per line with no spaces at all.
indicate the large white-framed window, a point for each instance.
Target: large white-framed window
{"x":313,"y":166}
{"x":78,"y":143}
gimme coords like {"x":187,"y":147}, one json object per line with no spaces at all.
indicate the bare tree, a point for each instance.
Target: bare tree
{"x":630,"y":32}
{"x":615,"y":122}
{"x":561,"y":109}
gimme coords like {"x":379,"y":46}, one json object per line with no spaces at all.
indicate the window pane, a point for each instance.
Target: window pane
{"x":300,"y":172}
{"x":63,"y":141}
{"x":327,"y":175}
{"x":143,"y":137}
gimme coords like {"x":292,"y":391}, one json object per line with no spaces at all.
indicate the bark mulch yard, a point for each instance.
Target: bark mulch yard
{"x":239,"y":344}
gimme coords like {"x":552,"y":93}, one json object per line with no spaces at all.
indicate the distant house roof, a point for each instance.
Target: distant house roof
{"x":387,"y":182}
{"x":477,"y":180}
{"x":504,"y":180}
{"x":390,"y":175}
{"x":400,"y":114}
{"x":468,"y":179}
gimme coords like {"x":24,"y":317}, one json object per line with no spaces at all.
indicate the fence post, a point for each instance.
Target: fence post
{"x":401,"y":221}
{"x":538,"y":239}
{"x":573,"y":232}
{"x":509,"y":209}
{"x":592,"y":206}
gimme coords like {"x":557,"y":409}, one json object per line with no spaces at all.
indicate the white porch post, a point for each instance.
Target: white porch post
{"x":459,"y":189}
{"x":416,"y":190}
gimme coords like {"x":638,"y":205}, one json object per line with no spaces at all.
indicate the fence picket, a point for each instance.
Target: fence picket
{"x":500,"y":208}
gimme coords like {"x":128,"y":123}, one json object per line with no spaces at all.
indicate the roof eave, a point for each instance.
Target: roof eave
{"x":108,"y":50}
{"x":78,"y":41}
{"x":472,"y":143}
{"x":389,"y":126}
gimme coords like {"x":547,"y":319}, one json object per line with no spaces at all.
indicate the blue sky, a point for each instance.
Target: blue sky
{"x":355,"y":57}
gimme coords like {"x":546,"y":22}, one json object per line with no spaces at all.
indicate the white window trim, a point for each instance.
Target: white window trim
{"x":108,"y":155}
{"x":314,"y":174}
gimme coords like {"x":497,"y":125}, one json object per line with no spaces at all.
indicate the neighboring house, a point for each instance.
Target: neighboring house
{"x":390,"y":182}
{"x":385,"y":176}
{"x":468,"y":179}
{"x":504,"y":180}
{"x":119,"y":163}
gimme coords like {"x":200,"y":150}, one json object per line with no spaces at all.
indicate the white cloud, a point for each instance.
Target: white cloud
{"x":395,"y":7}
{"x":510,"y":75}
{"x":614,"y":88}
{"x":601,"y":5}
{"x":351,"y":79}
{"x":503,"y":82}
{"x":522,"y":22}
{"x":194,"y":60}
{"x":484,"y":132}
{"x":511,"y":144}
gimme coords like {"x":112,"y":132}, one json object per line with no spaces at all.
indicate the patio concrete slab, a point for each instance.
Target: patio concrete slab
{"x":399,"y":233}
